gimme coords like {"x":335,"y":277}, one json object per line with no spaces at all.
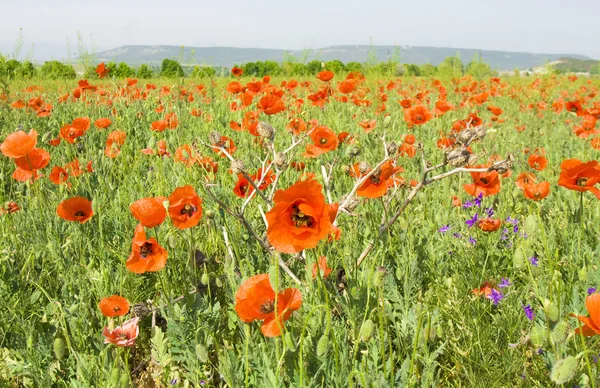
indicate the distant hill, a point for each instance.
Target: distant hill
{"x":228,"y":56}
{"x":574,"y":65}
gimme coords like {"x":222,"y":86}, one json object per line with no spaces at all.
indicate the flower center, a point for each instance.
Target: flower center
{"x":79,"y":213}
{"x":123,"y":337}
{"x":188,"y":209}
{"x":300,"y":219}
{"x":323,"y":140}
{"x":418,"y":118}
{"x":267,"y":307}
{"x":146,"y":250}
{"x":484,"y":181}
{"x":581,"y":182}
{"x":116,"y":308}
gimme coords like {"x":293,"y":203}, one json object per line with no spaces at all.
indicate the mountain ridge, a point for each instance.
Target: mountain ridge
{"x":229,"y":56}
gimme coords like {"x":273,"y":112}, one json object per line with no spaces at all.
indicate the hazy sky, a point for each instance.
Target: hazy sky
{"x":542,"y":26}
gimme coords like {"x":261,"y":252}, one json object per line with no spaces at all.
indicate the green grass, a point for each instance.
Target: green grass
{"x":429,"y":329}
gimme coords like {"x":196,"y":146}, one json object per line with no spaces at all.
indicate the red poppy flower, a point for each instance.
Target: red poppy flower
{"x":324,"y":140}
{"x":102,"y":70}
{"x":78,"y":209}
{"x":237,"y":72}
{"x":102,"y":123}
{"x":525,"y":178}
{"x":325,"y":75}
{"x":146,"y":254}
{"x":486,"y":183}
{"x":185,"y":207}
{"x":19,"y":144}
{"x":150,"y":212}
{"x":489,"y":224}
{"x":377,"y":184}
{"x":299,"y":218}
{"x":296,"y":126}
{"x":114,"y":306}
{"x":123,"y":335}
{"x":417,"y":115}
{"x":537,"y":162}
{"x":591,"y":324}
{"x":58,"y":175}
{"x":322,"y":266}
{"x":368,"y":125}
{"x":536,"y":191}
{"x":255,"y":300}
{"x":225,"y":143}
{"x":271,"y":104}
{"x":579,"y":176}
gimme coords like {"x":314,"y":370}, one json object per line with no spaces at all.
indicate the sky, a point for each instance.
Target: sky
{"x":50,"y":28}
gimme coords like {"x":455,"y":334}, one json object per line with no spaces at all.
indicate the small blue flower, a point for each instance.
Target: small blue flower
{"x":457,"y":235}
{"x":504,"y":283}
{"x":591,"y":290}
{"x":495,"y":296}
{"x":528,"y":312}
{"x":478,"y":200}
{"x":490,"y":211}
{"x":472,"y":241}
{"x":444,"y":229}
{"x":534,"y":261}
{"x":472,"y":221}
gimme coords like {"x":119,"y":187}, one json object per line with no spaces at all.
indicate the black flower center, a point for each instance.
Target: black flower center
{"x":188,"y":209}
{"x":267,"y":307}
{"x":581,"y":181}
{"x":300,"y":219}
{"x":146,"y":250}
{"x":323,"y":140}
{"x":484,"y":181}
{"x":79,"y":213}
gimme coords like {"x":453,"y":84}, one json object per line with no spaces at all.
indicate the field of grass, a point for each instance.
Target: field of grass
{"x":420,"y":292}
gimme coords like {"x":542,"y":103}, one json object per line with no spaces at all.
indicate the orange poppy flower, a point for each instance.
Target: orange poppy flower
{"x":595,"y":143}
{"x":255,"y":300}
{"x":78,"y":209}
{"x":489,"y":224}
{"x":146,"y":254}
{"x":537,"y":162}
{"x":296,"y":126}
{"x":579,"y":176}
{"x":377,"y":184}
{"x":575,"y":107}
{"x":325,"y":75}
{"x":271,"y":104}
{"x":185,"y":207}
{"x":525,"y":178}
{"x":300,"y":218}
{"x":58,"y":175}
{"x":368,"y":125}
{"x":37,"y":159}
{"x":324,"y":140}
{"x":484,"y":290}
{"x":495,"y":110}
{"x":159,"y":126}
{"x":486,"y":183}
{"x":417,"y":115}
{"x":456,"y":202}
{"x":19,"y":144}
{"x":185,"y":154}
{"x":150,"y":212}
{"x":225,"y":143}
{"x":123,"y":335}
{"x":591,"y":324}
{"x":101,"y":70}
{"x":102,"y":123}
{"x":322,"y":266}
{"x":19,"y":104}
{"x":536,"y":191}
{"x":114,"y":306}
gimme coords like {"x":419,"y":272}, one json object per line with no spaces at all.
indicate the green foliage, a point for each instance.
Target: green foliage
{"x":451,"y":67}
{"x":314,"y":67}
{"x":57,"y":70}
{"x":122,"y":70}
{"x":478,"y":68}
{"x":170,"y":68}
{"x":335,"y":66}
{"x":204,"y":72}
{"x":144,"y":72}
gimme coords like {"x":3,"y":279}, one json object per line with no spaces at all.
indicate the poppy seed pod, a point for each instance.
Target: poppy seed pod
{"x":392,"y":148}
{"x":366,"y":330}
{"x":458,"y":157}
{"x":140,"y":310}
{"x":472,"y":159}
{"x":280,"y":160}
{"x":238,"y":167}
{"x":465,"y":137}
{"x":363,"y":167}
{"x":352,"y":203}
{"x":214,"y":138}
{"x":353,"y":151}
{"x":265,"y":130}
{"x":480,"y":131}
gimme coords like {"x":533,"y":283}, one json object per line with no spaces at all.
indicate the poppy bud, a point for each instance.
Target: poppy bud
{"x":205,"y":279}
{"x":472,"y":159}
{"x":583,"y":274}
{"x":560,"y":333}
{"x":114,"y":377}
{"x":353,"y":151}
{"x":564,"y":370}
{"x":323,"y":345}
{"x":124,"y":380}
{"x":60,"y":348}
{"x":551,"y":310}
{"x":379,"y":275}
{"x":209,"y":213}
{"x":366,"y":330}
{"x":201,"y":353}
{"x":537,"y":336}
{"x":280,"y":160}
{"x":237,"y":167}
{"x":387,"y":120}
{"x":265,"y":130}
{"x":214,"y":138}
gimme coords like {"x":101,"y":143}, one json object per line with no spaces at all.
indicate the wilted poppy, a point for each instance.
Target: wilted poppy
{"x":18,"y":144}
{"x":300,"y":218}
{"x":114,"y":306}
{"x":77,"y":209}
{"x":146,"y":254}
{"x":185,"y":207}
{"x":579,"y":176}
{"x":489,"y":224}
{"x":486,"y":183}
{"x":150,"y":212}
{"x":255,"y":300}
{"x":123,"y":335}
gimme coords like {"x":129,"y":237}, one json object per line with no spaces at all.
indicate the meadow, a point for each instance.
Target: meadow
{"x":339,"y":230}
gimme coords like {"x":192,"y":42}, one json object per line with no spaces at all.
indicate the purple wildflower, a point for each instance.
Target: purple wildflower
{"x":495,"y":296}
{"x":472,"y":221}
{"x":534,"y":261}
{"x":472,"y":241}
{"x":504,"y":235}
{"x":490,"y":211}
{"x":457,"y":235}
{"x":591,"y":290}
{"x":468,"y":205}
{"x":444,"y":229}
{"x":504,"y":283}
{"x":477,"y":200}
{"x":528,"y":312}
{"x":511,"y":220}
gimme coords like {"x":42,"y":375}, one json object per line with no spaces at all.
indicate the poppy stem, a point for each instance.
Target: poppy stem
{"x":581,"y":207}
